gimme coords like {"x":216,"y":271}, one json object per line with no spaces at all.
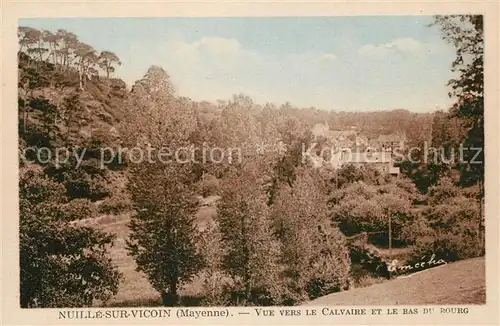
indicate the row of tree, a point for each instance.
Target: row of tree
{"x":65,"y":50}
{"x":258,"y":253}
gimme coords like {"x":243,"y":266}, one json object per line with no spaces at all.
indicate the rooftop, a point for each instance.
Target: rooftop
{"x":365,"y":157}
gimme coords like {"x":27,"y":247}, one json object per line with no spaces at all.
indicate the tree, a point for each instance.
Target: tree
{"x":164,"y":236}
{"x":314,"y":251}
{"x":86,"y":58}
{"x":155,"y":117}
{"x":61,"y":82}
{"x":48,"y":111}
{"x":53,"y":41}
{"x":156,"y":83}
{"x":31,"y":38}
{"x":360,"y":207}
{"x":444,"y":190}
{"x":163,"y":231}
{"x":69,"y":42}
{"x":71,"y":108}
{"x":29,"y":80}
{"x":62,"y":265}
{"x":251,"y":253}
{"x":27,"y":37}
{"x":295,"y":137}
{"x":466,"y":33}
{"x":107,"y":60}
{"x":453,"y":225}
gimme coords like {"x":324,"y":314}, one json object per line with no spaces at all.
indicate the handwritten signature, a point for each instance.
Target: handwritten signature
{"x":394,"y":266}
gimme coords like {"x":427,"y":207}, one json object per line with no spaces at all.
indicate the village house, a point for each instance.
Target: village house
{"x":381,"y":161}
{"x":341,"y":147}
{"x":391,"y":142}
{"x":321,"y":131}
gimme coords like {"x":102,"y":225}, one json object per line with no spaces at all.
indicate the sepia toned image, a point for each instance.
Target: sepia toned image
{"x":251,"y":162}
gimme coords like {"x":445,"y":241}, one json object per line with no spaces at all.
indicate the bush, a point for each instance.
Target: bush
{"x":360,"y":207}
{"x":445,"y":189}
{"x":363,"y":278}
{"x":61,"y":265}
{"x":216,"y":285}
{"x":471,"y":192}
{"x":115,"y":204}
{"x":216,"y":289}
{"x":449,"y":247}
{"x":418,"y":232}
{"x":209,"y":186}
{"x":456,"y":225}
{"x":79,"y":208}
{"x":83,"y":185}
{"x":367,"y":261}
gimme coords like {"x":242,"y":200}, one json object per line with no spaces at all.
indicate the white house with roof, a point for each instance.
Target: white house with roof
{"x":382,"y":161}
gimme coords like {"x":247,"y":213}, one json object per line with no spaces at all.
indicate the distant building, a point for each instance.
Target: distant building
{"x":338,"y":138}
{"x":342,"y":134}
{"x":361,"y":141}
{"x":341,"y":147}
{"x":394,"y":170}
{"x":381,"y":161}
{"x":321,"y":130}
{"x":392,"y":141}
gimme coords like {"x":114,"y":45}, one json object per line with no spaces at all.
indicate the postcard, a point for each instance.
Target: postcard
{"x":249,"y":163}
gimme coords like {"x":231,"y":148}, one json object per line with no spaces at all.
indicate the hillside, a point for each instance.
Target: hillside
{"x":45,"y":91}
{"x":462,"y":282}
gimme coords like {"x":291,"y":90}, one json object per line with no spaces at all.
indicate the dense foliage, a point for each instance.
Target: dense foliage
{"x":62,"y":264}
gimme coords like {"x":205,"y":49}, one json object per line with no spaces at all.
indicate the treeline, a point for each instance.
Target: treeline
{"x":65,"y":51}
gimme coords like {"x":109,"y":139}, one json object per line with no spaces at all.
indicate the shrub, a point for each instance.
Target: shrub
{"x":363,"y":278}
{"x":417,"y":231}
{"x":367,"y":261}
{"x":209,"y":186}
{"x":217,"y":289}
{"x":216,"y":284}
{"x":471,"y":192}
{"x":61,"y":265}
{"x":445,"y":189}
{"x":79,"y":208}
{"x":115,"y":204}
{"x":456,"y":226}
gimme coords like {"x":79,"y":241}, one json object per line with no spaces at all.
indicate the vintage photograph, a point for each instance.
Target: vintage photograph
{"x":251,"y":161}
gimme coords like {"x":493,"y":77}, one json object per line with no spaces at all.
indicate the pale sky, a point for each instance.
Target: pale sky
{"x":341,"y":63}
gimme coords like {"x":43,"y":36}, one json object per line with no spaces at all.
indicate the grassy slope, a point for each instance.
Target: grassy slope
{"x":455,"y":283}
{"x":135,"y":288}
